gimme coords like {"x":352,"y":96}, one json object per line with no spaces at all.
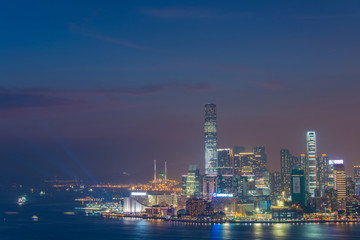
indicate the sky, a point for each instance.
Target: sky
{"x":99,"y":89}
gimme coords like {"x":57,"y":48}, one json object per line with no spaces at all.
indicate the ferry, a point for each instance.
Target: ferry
{"x":21,"y":200}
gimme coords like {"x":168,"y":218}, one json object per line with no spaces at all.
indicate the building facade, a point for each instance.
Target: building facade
{"x":311,"y":154}
{"x":210,"y":134}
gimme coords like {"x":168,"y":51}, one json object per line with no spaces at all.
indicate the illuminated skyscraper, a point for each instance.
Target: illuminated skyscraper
{"x":311,"y":152}
{"x":322,"y":171}
{"x":191,"y":181}
{"x":340,"y":184}
{"x":210,"y":130}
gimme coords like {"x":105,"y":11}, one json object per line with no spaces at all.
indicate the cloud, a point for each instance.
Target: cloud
{"x":48,"y":98}
{"x":108,"y":39}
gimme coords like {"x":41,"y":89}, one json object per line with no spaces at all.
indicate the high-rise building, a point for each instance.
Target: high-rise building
{"x":243,"y":160}
{"x":225,"y":161}
{"x":192,"y":181}
{"x":208,"y":186}
{"x":304,"y":165}
{"x":322,"y":171}
{"x":259,"y":163}
{"x":288,"y":162}
{"x":311,"y":153}
{"x":275,"y":183}
{"x":210,"y":131}
{"x":298,"y":186}
{"x":340,"y":184}
{"x":356,"y":173}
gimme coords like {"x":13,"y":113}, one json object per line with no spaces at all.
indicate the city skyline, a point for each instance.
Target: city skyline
{"x":100,"y":90}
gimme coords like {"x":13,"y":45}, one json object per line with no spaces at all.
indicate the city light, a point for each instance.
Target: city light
{"x":138,"y":193}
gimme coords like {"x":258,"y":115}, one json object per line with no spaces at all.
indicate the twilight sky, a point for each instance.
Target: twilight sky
{"x":98,"y":89}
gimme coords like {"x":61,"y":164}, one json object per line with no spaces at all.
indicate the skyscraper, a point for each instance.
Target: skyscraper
{"x":322,"y":171}
{"x":192,"y":181}
{"x":288,"y":162}
{"x":225,"y":161}
{"x":210,"y":131}
{"x":298,"y":186}
{"x":340,"y":184}
{"x":311,"y":152}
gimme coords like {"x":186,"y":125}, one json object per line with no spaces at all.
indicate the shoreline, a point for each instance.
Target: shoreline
{"x":223,"y":221}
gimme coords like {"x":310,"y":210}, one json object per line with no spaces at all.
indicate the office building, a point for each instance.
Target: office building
{"x":225,"y":161}
{"x":311,"y":154}
{"x":199,"y":207}
{"x":322,"y":171}
{"x":288,"y":162}
{"x":210,"y":135}
{"x":298,"y":194}
{"x":192,"y":181}
{"x":340,"y":185}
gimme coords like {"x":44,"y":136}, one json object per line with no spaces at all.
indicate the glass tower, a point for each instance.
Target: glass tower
{"x":311,"y":152}
{"x":211,"y":157}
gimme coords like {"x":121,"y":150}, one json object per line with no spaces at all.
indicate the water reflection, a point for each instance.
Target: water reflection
{"x":280,"y":230}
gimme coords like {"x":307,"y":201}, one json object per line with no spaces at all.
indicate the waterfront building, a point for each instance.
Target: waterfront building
{"x":132,"y":205}
{"x":330,"y":200}
{"x":340,"y":185}
{"x":191,"y":181}
{"x":298,"y":187}
{"x":208,"y":186}
{"x":210,"y":135}
{"x":225,"y":161}
{"x":322,"y":171}
{"x":311,"y":154}
{"x":199,"y":207}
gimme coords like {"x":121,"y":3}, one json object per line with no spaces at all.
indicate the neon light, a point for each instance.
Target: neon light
{"x":224,"y":195}
{"x":138,"y":194}
{"x":332,"y":162}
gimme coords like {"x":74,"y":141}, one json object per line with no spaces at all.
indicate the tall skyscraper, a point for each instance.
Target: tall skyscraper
{"x":322,"y":171}
{"x":340,"y":184}
{"x":311,"y":152}
{"x":210,"y":130}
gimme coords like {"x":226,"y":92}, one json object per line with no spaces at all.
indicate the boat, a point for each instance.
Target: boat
{"x":35,"y":218}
